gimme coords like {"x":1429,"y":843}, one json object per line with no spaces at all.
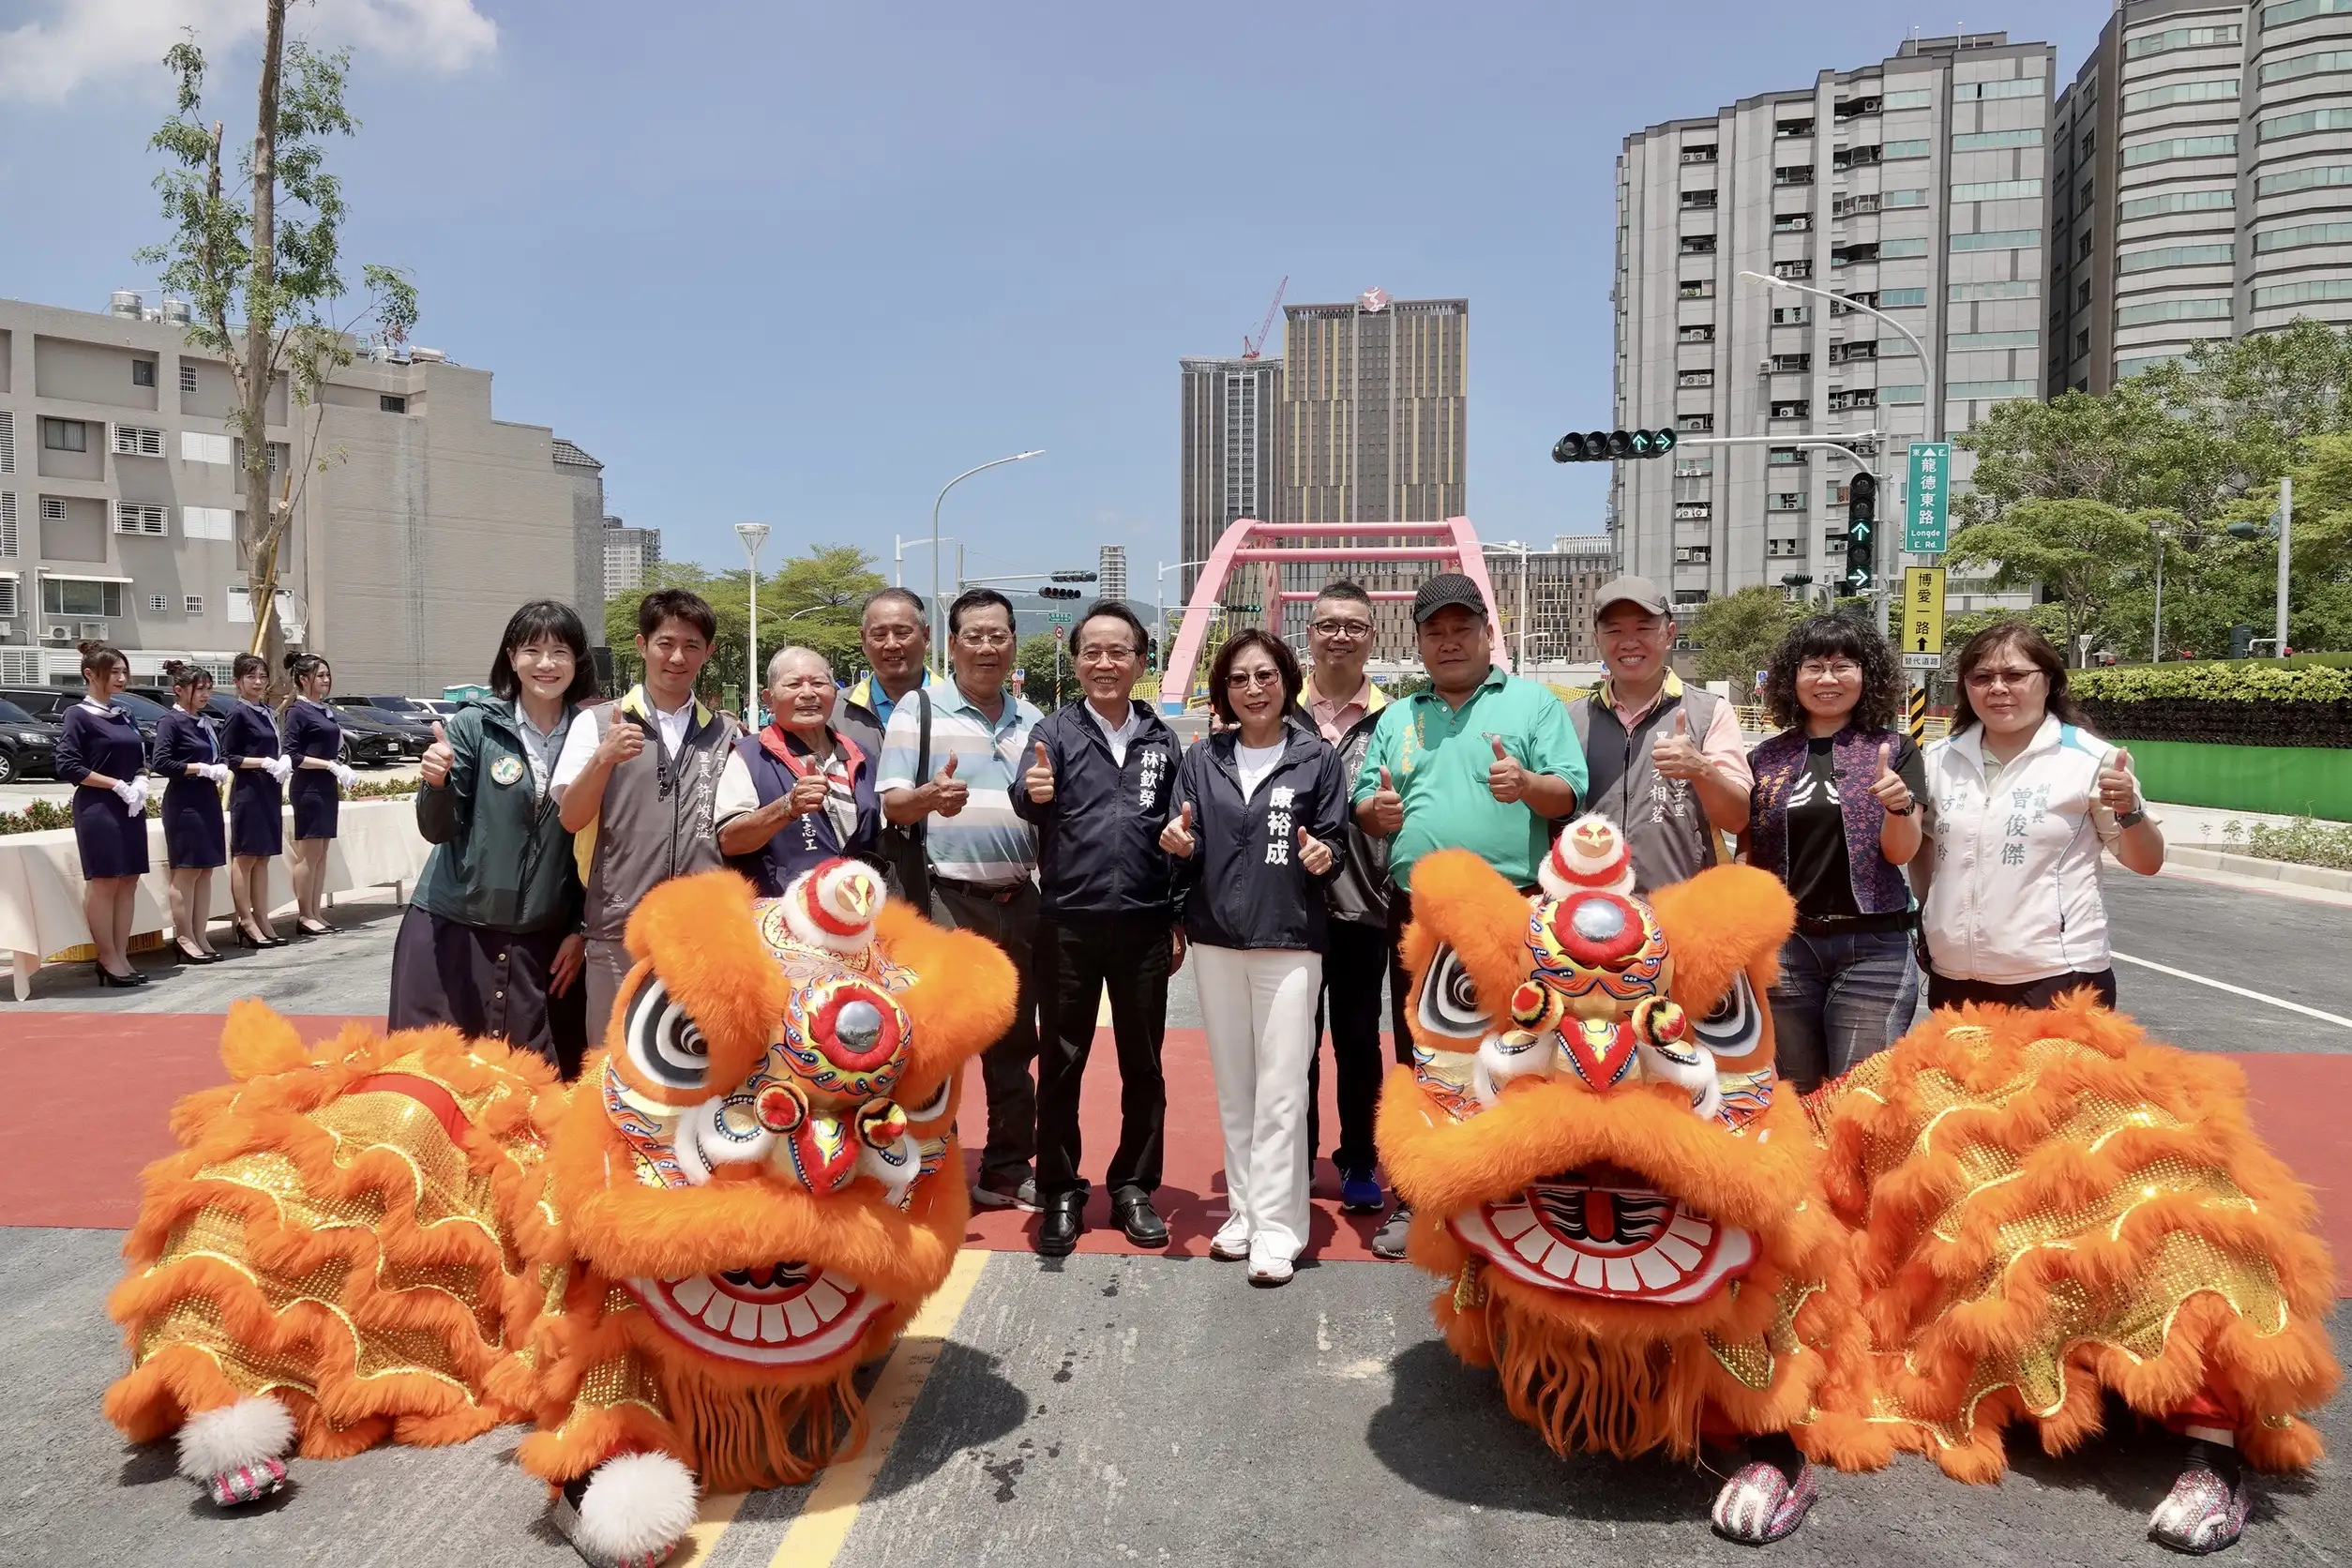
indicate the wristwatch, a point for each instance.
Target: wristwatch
{"x":1905,"y":812}
{"x":2132,"y":818}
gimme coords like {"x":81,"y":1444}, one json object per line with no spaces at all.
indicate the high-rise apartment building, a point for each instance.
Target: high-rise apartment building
{"x":1226,"y":452}
{"x":630,"y":555}
{"x":1375,"y":427}
{"x":1916,"y":186}
{"x":2202,"y":168}
{"x":1111,"y":572}
{"x":122,"y":500}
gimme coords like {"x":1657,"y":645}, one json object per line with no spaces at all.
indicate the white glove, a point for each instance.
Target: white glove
{"x":215,"y":772}
{"x":134,"y":795}
{"x":278,"y":768}
{"x":344,"y":777}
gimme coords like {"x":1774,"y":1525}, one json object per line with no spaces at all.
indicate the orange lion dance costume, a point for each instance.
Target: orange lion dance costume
{"x":1644,"y":1233}
{"x":671,"y":1268}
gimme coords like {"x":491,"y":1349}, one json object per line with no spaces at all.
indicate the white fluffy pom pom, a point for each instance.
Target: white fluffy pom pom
{"x":637,"y":1505}
{"x":244,"y":1433}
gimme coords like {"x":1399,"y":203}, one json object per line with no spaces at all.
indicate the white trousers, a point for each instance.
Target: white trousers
{"x":1258,"y":1009}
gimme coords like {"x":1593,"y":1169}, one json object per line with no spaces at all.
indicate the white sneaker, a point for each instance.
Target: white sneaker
{"x":1267,"y":1265}
{"x":1231,"y":1243}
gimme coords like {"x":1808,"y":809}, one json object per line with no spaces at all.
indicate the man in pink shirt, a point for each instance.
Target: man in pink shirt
{"x":1667,"y":760}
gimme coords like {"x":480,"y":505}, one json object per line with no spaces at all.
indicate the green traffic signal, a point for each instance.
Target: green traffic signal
{"x":1611,"y":446}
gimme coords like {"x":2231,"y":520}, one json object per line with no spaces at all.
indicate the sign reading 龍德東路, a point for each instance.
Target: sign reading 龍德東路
{"x":1926,"y":522}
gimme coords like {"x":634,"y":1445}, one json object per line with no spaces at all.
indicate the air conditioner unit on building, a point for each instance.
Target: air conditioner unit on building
{"x":8,"y":628}
{"x":93,"y":629}
{"x":60,"y":634}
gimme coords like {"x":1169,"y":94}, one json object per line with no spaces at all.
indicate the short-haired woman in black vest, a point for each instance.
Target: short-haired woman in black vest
{"x":1836,"y":816}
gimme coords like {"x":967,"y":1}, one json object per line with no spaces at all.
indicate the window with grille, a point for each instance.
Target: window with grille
{"x":138,"y":517}
{"x":188,"y":376}
{"x":7,"y":598}
{"x":52,"y":508}
{"x":193,"y":604}
{"x":7,"y":442}
{"x":157,"y":604}
{"x":136,"y":441}
{"x":7,"y":522}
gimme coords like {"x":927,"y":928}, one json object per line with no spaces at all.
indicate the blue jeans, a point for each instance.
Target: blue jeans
{"x":1839,"y":999}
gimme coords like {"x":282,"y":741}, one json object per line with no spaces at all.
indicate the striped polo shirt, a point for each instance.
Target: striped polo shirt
{"x":985,"y":842}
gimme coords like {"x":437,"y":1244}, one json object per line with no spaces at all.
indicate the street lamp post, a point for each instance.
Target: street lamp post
{"x":939,"y":644}
{"x":755,"y":537}
{"x":1515,"y":547}
{"x":2285,"y":524}
{"x":1159,"y":600}
{"x":1927,"y":368}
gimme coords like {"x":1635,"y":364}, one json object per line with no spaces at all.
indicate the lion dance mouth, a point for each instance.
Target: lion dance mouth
{"x":673,"y":1267}
{"x":2003,"y":1217}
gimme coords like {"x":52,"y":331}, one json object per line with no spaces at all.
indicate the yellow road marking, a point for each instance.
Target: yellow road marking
{"x":817,"y":1535}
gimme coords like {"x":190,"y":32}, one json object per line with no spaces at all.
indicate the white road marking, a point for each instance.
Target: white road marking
{"x":2336,"y":1019}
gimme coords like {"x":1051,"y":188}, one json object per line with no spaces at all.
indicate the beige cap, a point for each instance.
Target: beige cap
{"x":1629,"y":589}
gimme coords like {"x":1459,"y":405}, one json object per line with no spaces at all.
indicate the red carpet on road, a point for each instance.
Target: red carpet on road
{"x":94,"y":1090}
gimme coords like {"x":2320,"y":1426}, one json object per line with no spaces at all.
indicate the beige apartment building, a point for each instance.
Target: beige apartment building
{"x":421,"y":520}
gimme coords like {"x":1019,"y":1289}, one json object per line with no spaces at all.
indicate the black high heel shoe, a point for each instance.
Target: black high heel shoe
{"x":314,"y":928}
{"x":107,"y":978}
{"x":191,"y":956}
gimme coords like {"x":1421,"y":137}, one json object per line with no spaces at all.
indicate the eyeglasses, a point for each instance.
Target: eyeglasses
{"x":1985,"y":679}
{"x":984,"y":638}
{"x":1243,"y":679}
{"x":1829,"y":670}
{"x":1100,"y":654}
{"x":1343,"y":631}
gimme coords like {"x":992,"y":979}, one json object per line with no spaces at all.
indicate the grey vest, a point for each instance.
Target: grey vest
{"x":656,"y":823}
{"x":1662,"y":818}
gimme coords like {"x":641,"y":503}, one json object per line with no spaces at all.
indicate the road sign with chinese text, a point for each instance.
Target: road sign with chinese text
{"x":1923,"y":610}
{"x":1926,"y":525}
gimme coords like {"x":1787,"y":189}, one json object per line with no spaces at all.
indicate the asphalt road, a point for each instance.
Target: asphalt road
{"x":1111,"y":1409}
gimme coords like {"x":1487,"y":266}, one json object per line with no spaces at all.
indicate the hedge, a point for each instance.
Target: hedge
{"x":48,"y":815}
{"x":2214,"y":682}
{"x":2216,"y":703}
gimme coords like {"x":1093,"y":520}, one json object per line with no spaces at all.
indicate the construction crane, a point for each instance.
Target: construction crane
{"x":1251,"y":347}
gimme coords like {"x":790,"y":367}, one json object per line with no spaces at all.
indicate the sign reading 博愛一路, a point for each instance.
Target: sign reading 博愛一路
{"x":1923,"y":610}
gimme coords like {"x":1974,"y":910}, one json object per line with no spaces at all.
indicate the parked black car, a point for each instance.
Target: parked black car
{"x":28,"y":745}
{"x":49,"y":704}
{"x":373,"y":740}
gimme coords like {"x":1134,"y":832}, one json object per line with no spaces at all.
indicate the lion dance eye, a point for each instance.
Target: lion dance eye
{"x":664,"y":1043}
{"x":1449,"y":998}
{"x":1735,"y":1024}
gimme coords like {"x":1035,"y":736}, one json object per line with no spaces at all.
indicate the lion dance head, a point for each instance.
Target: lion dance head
{"x":1624,"y":1206}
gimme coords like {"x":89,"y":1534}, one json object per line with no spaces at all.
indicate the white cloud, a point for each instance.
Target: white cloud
{"x":87,"y":41}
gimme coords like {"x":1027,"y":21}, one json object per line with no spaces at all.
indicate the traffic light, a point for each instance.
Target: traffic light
{"x":1607,"y":446}
{"x":1074,"y":576}
{"x":1060,"y":593}
{"x":1861,"y":535}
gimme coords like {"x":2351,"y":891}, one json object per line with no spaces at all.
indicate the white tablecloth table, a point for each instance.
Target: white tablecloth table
{"x":376,"y":845}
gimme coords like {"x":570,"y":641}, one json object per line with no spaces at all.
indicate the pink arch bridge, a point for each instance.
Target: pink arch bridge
{"x":1448,"y":546}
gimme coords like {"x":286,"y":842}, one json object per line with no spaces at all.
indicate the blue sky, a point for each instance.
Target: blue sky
{"x":801,"y":263}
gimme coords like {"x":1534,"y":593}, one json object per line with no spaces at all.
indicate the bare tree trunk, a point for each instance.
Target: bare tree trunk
{"x":264,"y":526}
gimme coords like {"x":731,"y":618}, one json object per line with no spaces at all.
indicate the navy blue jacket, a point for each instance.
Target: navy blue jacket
{"x":1098,"y":840}
{"x":1242,"y":885}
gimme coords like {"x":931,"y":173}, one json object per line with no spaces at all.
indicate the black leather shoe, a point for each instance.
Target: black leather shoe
{"x":1140,"y":1221}
{"x":1065,"y":1222}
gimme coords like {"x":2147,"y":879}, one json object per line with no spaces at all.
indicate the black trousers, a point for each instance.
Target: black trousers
{"x":489,"y":984}
{"x":1355,"y":965}
{"x":1075,"y":959}
{"x":1010,"y":921}
{"x":1943,"y":991}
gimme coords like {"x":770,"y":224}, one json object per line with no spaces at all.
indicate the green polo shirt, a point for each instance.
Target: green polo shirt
{"x":1437,"y":757}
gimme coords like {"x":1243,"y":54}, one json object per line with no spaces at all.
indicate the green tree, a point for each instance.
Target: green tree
{"x":1735,"y":634}
{"x":1048,"y":679}
{"x":2084,"y":553}
{"x":812,"y":599}
{"x":261,"y":265}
